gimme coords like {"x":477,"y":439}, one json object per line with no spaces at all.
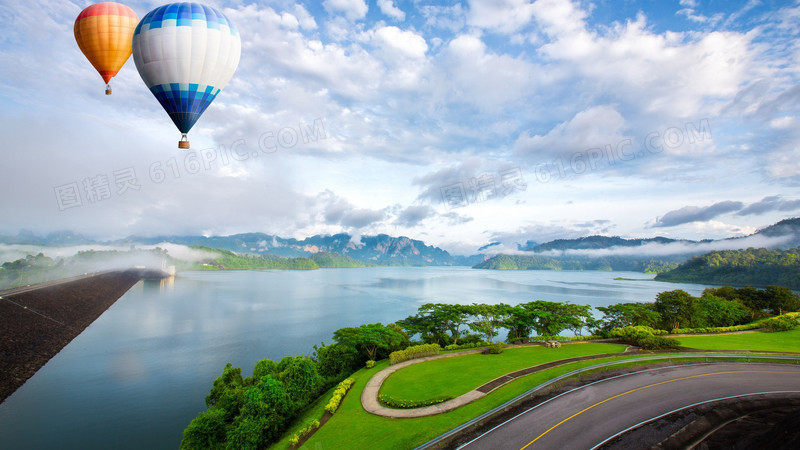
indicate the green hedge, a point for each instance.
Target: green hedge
{"x":745,"y":327}
{"x":563,"y":338}
{"x":338,"y":395}
{"x":466,"y":346}
{"x":390,"y":402}
{"x":635,"y":330}
{"x":294,"y":440}
{"x":414,"y":352}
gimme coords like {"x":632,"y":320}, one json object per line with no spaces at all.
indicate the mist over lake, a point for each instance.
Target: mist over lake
{"x":138,"y":375}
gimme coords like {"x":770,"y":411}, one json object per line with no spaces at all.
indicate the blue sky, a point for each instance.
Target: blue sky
{"x":458,"y":123}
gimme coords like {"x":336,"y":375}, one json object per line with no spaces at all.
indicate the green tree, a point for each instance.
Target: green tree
{"x":578,"y":317}
{"x":302,"y":380}
{"x":226,"y":394}
{"x":488,"y":318}
{"x":551,"y":318}
{"x":370,"y":339}
{"x":265,"y":412}
{"x":519,"y":322}
{"x":263,"y":368}
{"x":336,"y":360}
{"x":715,"y":311}
{"x":780,"y":299}
{"x":676,"y":308}
{"x":206,"y":431}
{"x":621,"y":315}
{"x":434,"y":320}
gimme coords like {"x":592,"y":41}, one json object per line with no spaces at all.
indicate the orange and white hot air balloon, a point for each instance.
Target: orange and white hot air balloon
{"x":104,"y":32}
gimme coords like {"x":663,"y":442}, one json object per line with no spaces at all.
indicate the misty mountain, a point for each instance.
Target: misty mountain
{"x":596,"y":242}
{"x":787,"y":228}
{"x":655,"y":255}
{"x":63,"y":237}
{"x":381,"y":249}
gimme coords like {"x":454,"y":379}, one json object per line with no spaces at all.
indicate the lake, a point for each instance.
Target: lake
{"x":137,"y":376}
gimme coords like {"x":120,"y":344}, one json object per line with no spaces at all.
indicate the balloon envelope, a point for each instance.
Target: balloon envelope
{"x":185,"y":54}
{"x":103,"y":32}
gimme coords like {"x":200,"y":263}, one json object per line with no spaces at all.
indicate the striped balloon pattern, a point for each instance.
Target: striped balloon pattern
{"x":103,"y":32}
{"x":186,"y":53}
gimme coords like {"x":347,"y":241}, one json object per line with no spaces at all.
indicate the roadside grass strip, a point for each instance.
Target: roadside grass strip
{"x":784,"y":341}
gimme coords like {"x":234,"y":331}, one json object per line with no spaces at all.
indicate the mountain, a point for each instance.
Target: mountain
{"x":751,"y":267}
{"x":597,"y":242}
{"x":63,"y":237}
{"x":574,"y":254}
{"x":787,"y":227}
{"x":645,"y":264}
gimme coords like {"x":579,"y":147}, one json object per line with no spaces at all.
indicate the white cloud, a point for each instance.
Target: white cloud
{"x":678,"y":74}
{"x":406,"y":43}
{"x":473,"y":74}
{"x":352,"y":9}
{"x":504,"y":16}
{"x":387,"y":7}
{"x":594,"y":127}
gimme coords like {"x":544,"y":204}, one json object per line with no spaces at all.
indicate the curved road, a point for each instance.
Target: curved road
{"x":586,"y":416}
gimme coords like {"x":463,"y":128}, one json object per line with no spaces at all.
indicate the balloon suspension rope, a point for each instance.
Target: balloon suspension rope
{"x":108,"y":89}
{"x":184,"y":142}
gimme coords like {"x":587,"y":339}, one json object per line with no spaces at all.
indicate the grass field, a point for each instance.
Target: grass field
{"x":352,"y":427}
{"x":786,"y":341}
{"x":456,"y":376}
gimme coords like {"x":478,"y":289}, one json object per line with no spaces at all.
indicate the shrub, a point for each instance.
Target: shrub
{"x":308,"y":429}
{"x":657,"y":343}
{"x":370,"y":364}
{"x":749,"y":326}
{"x":338,"y":395}
{"x":414,"y":352}
{"x":467,"y":346}
{"x":635,"y":330}
{"x":780,"y":323}
{"x":390,"y":402}
{"x":496,"y":349}
{"x":645,"y":337}
{"x":567,"y":338}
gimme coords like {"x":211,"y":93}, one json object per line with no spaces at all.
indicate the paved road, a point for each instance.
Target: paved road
{"x":586,"y":416}
{"x":33,"y":287}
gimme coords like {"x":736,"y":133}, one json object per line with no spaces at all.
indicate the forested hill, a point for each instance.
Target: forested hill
{"x":751,"y":267}
{"x":611,"y":263}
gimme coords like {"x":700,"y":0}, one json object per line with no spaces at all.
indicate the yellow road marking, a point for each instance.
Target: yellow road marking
{"x":641,"y":388}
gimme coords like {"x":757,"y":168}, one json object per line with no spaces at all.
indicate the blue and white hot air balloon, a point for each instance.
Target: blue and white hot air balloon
{"x":186,"y":53}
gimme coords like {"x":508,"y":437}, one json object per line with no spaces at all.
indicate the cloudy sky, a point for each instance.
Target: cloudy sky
{"x":457,"y":123}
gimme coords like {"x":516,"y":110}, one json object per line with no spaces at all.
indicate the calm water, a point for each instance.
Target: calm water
{"x":139,"y":374}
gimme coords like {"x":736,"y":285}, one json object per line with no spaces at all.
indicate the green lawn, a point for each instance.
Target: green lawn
{"x":786,"y":341}
{"x":353,"y":428}
{"x":459,"y":375}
